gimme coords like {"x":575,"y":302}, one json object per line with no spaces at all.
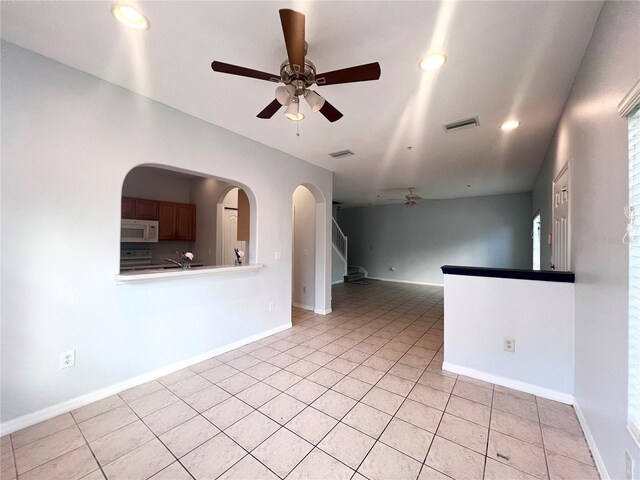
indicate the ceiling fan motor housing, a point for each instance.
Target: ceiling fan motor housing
{"x":301,"y":81}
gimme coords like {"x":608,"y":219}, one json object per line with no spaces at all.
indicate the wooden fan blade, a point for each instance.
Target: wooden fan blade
{"x":361,"y":73}
{"x":270,"y":110}
{"x":293,"y":30}
{"x":243,"y":72}
{"x":330,"y":112}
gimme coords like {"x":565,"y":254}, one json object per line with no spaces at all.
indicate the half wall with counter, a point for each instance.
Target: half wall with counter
{"x":489,"y":311}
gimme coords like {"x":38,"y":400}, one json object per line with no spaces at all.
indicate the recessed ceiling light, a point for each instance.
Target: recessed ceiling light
{"x":433,"y":61}
{"x":510,"y":125}
{"x":130,"y":17}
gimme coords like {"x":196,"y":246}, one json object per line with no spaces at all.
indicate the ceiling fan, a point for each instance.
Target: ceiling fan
{"x":298,"y":74}
{"x":412,"y":198}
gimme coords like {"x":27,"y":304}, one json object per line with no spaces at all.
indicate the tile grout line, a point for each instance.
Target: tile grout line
{"x":13,"y":455}
{"x":387,"y":322}
{"x":310,"y":406}
{"x":87,"y":444}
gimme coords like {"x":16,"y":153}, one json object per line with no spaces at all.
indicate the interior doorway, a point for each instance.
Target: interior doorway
{"x":303,"y":263}
{"x":535,"y":235}
{"x":232,"y":226}
{"x":561,"y":241}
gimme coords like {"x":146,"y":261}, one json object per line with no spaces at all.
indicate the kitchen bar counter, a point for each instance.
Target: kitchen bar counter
{"x":150,"y":275}
{"x":156,"y":266}
{"x":511,"y":327}
{"x":514,"y":273}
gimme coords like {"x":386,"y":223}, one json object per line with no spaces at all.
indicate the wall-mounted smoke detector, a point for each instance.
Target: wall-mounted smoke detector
{"x":460,"y":124}
{"x":342,"y":154}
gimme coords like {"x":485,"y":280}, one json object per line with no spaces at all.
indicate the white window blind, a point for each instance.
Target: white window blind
{"x":633,"y":237}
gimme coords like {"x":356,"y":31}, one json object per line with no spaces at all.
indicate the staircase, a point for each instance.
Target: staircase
{"x":350,"y":273}
{"x":354,"y":274}
{"x":339,"y":240}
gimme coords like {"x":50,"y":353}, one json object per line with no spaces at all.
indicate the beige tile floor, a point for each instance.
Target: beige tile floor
{"x":356,"y":394}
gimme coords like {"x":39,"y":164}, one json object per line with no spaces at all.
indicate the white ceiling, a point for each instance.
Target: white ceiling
{"x":506,"y":60}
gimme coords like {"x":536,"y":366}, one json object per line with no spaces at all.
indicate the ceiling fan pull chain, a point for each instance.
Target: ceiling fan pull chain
{"x":297,"y":129}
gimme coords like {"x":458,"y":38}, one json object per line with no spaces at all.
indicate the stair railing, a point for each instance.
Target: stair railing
{"x":339,"y":241}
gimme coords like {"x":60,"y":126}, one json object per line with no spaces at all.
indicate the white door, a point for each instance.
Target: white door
{"x":230,"y":236}
{"x":560,"y":241}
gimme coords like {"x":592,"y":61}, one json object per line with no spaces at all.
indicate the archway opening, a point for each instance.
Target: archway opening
{"x":304,"y":249}
{"x":233,"y":227}
{"x":167,"y":213}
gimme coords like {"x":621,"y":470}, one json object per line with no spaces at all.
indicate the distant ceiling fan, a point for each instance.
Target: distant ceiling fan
{"x":412,"y":198}
{"x":298,"y":74}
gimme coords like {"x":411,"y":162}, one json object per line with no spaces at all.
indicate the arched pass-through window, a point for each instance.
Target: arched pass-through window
{"x":167,"y":213}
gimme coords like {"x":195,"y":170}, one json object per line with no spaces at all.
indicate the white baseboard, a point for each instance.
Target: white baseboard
{"x":303,"y":306}
{"x":602,"y":470}
{"x":537,"y":390}
{"x":323,"y":312}
{"x":38,"y":416}
{"x":337,"y":281}
{"x":407,"y":281}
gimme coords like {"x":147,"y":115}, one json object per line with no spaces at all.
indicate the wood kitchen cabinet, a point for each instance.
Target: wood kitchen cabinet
{"x":185,"y":222}
{"x":166,"y":220}
{"x":146,"y":209}
{"x":177,"y":221}
{"x":243,"y":216}
{"x":128,"y":207}
{"x":139,"y":208}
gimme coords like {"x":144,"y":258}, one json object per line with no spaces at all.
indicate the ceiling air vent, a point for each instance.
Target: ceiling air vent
{"x":342,"y":154}
{"x":467,"y":122}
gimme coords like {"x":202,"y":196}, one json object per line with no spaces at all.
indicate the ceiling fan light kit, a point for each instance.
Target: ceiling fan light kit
{"x":298,"y":74}
{"x":285,"y":94}
{"x":315,"y":101}
{"x":293,"y":110}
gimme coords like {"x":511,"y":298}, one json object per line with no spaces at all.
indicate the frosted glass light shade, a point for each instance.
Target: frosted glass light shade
{"x":285,"y":93}
{"x":315,"y":101}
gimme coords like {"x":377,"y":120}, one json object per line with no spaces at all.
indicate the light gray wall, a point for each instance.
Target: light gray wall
{"x":68,"y":141}
{"x":491,"y":231}
{"x":304,"y":247}
{"x":156,"y":184}
{"x":205,"y":193}
{"x":593,"y":138}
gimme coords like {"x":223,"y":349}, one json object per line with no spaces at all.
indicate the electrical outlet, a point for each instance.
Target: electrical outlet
{"x":509,"y":344}
{"x":628,"y":465}
{"x":278,"y":255}
{"x":68,"y":359}
{"x":271,"y":306}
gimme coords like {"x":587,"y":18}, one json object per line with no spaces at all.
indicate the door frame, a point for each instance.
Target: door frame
{"x":220,"y":221}
{"x":565,"y":169}
{"x":322,"y":254}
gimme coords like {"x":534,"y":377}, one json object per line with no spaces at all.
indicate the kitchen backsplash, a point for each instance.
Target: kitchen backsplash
{"x":161,"y":250}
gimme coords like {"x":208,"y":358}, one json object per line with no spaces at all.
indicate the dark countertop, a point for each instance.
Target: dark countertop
{"x":515,"y":273}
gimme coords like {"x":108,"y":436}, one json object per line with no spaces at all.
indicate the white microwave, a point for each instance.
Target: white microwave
{"x":138,"y":231}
